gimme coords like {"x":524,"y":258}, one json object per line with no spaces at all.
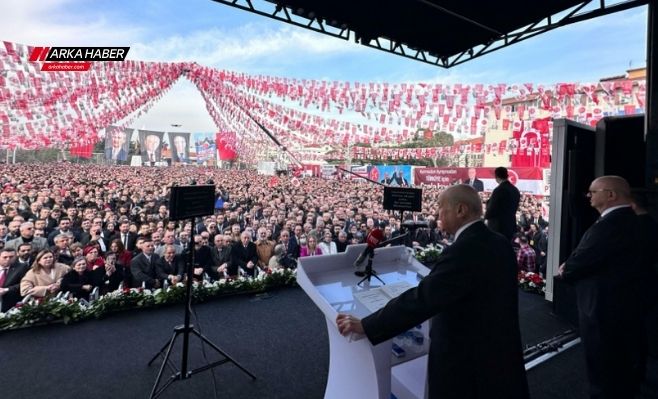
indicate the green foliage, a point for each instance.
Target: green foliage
{"x":67,"y":311}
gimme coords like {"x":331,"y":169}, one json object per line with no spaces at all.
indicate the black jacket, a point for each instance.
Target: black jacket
{"x":607,"y":272}
{"x":501,"y":209}
{"x":143,"y":270}
{"x":13,"y":281}
{"x":471,"y":295}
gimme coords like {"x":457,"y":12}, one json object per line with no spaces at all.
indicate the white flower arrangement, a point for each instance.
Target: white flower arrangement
{"x":429,"y":253}
{"x":69,"y":310}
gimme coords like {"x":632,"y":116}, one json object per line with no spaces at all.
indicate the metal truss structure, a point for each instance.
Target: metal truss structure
{"x":292,"y":12}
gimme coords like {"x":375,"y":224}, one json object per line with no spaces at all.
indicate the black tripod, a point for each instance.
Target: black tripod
{"x":369,"y":272}
{"x":186,"y":329}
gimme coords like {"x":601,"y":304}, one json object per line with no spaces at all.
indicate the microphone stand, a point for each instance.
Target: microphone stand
{"x":370,"y":272}
{"x":186,"y":329}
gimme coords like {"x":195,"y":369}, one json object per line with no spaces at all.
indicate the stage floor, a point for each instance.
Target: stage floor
{"x":280,"y":337}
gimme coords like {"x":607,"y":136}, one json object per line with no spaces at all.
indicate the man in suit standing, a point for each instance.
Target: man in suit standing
{"x":502,"y":206}
{"x":127,"y":238}
{"x":473,"y":284}
{"x":142,"y":266}
{"x":24,"y":255}
{"x":607,"y":272}
{"x":473,"y":181}
{"x":27,"y":236}
{"x":11,"y":274}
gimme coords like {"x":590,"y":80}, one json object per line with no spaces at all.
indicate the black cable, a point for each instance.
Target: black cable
{"x":553,"y":344}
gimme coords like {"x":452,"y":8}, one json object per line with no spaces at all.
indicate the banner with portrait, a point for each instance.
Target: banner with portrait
{"x":391,"y":175}
{"x":204,"y":144}
{"x":117,"y":143}
{"x":527,"y":180}
{"x":179,"y":147}
{"x":150,"y":146}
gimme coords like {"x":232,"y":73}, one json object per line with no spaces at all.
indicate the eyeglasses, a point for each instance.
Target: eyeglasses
{"x":592,"y":192}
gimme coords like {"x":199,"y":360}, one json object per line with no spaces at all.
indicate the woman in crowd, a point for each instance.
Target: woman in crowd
{"x":77,"y":249}
{"x":109,"y":276}
{"x":79,"y":280}
{"x":91,"y":254}
{"x":311,"y":248}
{"x":123,"y":257}
{"x":45,"y":276}
{"x":328,"y":246}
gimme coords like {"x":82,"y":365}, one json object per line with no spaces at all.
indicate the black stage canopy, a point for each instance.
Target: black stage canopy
{"x":439,"y":32}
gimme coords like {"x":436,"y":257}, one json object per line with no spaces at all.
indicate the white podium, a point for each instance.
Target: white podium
{"x":358,"y":369}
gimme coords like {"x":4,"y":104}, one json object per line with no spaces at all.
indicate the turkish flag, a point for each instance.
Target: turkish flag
{"x":226,"y":142}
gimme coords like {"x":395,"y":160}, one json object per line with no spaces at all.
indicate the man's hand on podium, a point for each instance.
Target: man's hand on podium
{"x":348,"y":324}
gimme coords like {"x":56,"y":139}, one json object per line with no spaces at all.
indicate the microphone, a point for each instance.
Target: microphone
{"x":375,"y":236}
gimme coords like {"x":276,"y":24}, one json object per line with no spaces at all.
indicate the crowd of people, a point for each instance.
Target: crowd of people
{"x":80,"y":228}
{"x":90,"y":229}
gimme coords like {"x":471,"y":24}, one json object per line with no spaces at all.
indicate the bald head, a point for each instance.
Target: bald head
{"x":609,"y":191}
{"x":459,"y":205}
{"x":465,"y":195}
{"x":617,"y":184}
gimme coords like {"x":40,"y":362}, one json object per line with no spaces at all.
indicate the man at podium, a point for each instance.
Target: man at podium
{"x":471,"y":296}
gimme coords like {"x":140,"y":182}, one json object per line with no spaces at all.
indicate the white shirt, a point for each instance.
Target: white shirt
{"x":464,"y":227}
{"x":613,"y":209}
{"x":328,"y":248}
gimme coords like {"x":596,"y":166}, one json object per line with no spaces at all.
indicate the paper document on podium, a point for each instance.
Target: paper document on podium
{"x":376,"y":298}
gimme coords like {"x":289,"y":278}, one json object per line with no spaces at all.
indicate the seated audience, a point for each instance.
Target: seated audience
{"x":328,"y":246}
{"x":11,"y":274}
{"x":44,"y":277}
{"x":170,"y":267}
{"x":311,"y":248}
{"x":79,"y":280}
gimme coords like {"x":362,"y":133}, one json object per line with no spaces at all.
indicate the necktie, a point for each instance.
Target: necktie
{"x":3,"y":276}
{"x":125,"y":241}
{"x":180,"y":156}
{"x":152,"y":159}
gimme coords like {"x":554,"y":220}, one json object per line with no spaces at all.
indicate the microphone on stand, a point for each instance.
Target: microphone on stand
{"x":373,"y":239}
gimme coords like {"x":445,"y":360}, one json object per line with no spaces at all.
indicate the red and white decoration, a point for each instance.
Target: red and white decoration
{"x":71,"y":109}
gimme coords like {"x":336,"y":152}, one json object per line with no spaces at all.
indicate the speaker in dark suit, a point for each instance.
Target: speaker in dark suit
{"x":607,"y":271}
{"x":502,"y":206}
{"x":12,"y":274}
{"x":471,"y":297}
